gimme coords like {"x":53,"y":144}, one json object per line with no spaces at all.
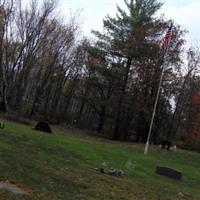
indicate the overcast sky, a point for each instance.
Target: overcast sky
{"x":184,"y":12}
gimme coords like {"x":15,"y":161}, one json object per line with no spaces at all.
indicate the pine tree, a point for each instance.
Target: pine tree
{"x":126,"y":38}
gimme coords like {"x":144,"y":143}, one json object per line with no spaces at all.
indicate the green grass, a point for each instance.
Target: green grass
{"x":59,"y":167}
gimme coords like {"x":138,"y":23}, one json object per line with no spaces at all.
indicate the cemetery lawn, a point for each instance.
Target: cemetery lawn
{"x":62,"y":167}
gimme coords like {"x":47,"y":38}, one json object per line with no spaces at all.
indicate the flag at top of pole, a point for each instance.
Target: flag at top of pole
{"x":167,"y":38}
{"x":165,"y":45}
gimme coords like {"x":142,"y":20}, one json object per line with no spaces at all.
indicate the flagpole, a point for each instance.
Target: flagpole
{"x":156,"y":101}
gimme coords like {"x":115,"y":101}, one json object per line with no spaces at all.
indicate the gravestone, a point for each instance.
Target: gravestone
{"x":12,"y":188}
{"x":43,"y":126}
{"x":171,"y":173}
{"x":166,"y":144}
{"x":2,"y":126}
{"x":115,"y":172}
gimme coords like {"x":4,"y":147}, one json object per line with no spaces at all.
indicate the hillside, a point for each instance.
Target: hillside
{"x":62,"y":166}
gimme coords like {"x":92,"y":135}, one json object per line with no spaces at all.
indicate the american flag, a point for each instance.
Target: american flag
{"x":167,"y":38}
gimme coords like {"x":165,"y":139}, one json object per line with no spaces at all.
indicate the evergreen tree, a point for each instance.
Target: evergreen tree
{"x":126,"y":39}
{"x":132,"y":44}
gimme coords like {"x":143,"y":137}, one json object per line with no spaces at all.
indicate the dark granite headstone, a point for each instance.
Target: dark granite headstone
{"x":171,"y":173}
{"x":166,"y":144}
{"x":43,"y":126}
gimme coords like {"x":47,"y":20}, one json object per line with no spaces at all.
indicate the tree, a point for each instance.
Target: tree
{"x":6,"y":14}
{"x":37,"y":52}
{"x":133,"y":40}
{"x":186,"y":98}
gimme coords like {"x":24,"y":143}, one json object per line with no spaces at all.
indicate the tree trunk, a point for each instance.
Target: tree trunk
{"x":122,"y":96}
{"x":101,"y":120}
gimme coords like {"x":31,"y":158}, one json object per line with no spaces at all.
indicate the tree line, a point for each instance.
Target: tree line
{"x":48,"y":72}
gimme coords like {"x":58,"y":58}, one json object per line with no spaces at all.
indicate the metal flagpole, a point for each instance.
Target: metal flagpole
{"x":156,"y":101}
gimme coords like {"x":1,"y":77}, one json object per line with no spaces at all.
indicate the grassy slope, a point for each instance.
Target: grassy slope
{"x":59,"y":167}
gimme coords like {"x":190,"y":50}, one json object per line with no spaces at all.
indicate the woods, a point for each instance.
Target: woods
{"x":49,"y":72}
